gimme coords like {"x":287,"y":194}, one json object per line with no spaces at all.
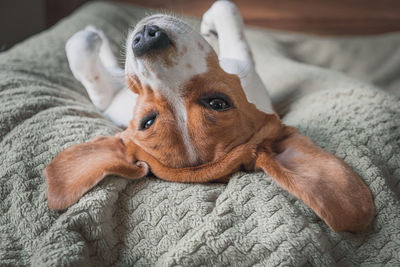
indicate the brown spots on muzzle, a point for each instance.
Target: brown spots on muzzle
{"x":184,"y":50}
{"x":201,"y":47}
{"x":168,"y":56}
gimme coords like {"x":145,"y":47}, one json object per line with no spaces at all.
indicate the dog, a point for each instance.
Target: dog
{"x":193,"y":116}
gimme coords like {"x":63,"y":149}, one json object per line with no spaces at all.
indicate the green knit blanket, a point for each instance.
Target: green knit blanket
{"x":249,"y":221}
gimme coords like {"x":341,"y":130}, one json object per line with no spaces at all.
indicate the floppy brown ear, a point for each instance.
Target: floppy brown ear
{"x":322,"y":181}
{"x":80,"y":167}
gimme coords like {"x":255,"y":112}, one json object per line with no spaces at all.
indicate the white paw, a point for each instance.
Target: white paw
{"x":97,"y":31}
{"x":207,"y":27}
{"x":106,"y":55}
{"x":85,"y":42}
{"x":218,"y":11}
{"x":82,"y":51}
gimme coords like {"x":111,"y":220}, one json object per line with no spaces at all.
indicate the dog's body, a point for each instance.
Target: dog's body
{"x":197,"y":117}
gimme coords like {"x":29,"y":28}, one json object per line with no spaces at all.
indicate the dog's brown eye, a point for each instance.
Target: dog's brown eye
{"x":218,"y":104}
{"x":216,"y":101}
{"x":147,"y":121}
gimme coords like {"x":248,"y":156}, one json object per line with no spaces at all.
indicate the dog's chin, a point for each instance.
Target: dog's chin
{"x":241,"y":157}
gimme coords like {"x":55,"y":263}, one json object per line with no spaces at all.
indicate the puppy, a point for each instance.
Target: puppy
{"x":194,"y":117}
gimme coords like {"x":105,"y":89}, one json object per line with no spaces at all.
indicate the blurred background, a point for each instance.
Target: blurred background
{"x":20,"y":19}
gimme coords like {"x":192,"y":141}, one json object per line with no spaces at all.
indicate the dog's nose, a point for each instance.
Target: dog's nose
{"x":149,"y":38}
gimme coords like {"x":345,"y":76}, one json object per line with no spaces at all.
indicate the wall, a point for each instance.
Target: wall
{"x":20,"y":19}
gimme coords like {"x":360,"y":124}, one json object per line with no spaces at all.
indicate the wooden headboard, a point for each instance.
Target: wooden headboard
{"x":327,"y":17}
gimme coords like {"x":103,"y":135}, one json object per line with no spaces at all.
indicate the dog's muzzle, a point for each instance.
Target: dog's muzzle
{"x":149,"y":38}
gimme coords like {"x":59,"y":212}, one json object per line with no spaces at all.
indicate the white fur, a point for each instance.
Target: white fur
{"x":93,"y":64}
{"x":235,"y":55}
{"x":121,"y":108}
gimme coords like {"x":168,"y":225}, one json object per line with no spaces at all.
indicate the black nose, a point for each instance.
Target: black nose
{"x":149,"y":38}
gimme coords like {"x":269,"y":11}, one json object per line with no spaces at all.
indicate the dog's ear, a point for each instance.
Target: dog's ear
{"x":80,"y":167}
{"x":322,"y":181}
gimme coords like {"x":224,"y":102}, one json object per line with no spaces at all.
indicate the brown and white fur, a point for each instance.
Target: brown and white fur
{"x":174,"y":90}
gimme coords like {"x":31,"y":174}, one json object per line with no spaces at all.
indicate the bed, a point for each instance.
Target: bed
{"x":249,"y":221}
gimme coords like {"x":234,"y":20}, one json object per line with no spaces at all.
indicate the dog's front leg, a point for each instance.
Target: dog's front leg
{"x":223,"y":21}
{"x":94,"y":65}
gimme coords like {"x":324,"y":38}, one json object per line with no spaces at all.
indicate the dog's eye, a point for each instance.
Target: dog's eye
{"x":216,"y":101}
{"x":218,"y":104}
{"x":147,"y":121}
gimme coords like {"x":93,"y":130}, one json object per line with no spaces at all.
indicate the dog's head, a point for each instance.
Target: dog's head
{"x":193,"y":123}
{"x":189,"y":111}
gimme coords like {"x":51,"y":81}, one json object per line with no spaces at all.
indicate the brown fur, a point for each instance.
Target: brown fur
{"x":79,"y":168}
{"x":324,"y":182}
{"x":242,"y":137}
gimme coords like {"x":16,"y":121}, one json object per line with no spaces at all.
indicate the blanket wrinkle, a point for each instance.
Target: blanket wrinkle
{"x":352,"y":111}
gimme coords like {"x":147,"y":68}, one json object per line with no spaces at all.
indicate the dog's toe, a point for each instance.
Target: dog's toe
{"x":86,"y":41}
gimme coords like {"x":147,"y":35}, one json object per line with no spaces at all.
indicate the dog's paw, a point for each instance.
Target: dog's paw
{"x":83,"y":50}
{"x":207,"y":27}
{"x":97,"y":31}
{"x":84,"y":43}
{"x":106,"y":54}
{"x":218,"y":11}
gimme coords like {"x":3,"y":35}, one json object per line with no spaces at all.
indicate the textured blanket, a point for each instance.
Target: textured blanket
{"x":340,"y":92}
